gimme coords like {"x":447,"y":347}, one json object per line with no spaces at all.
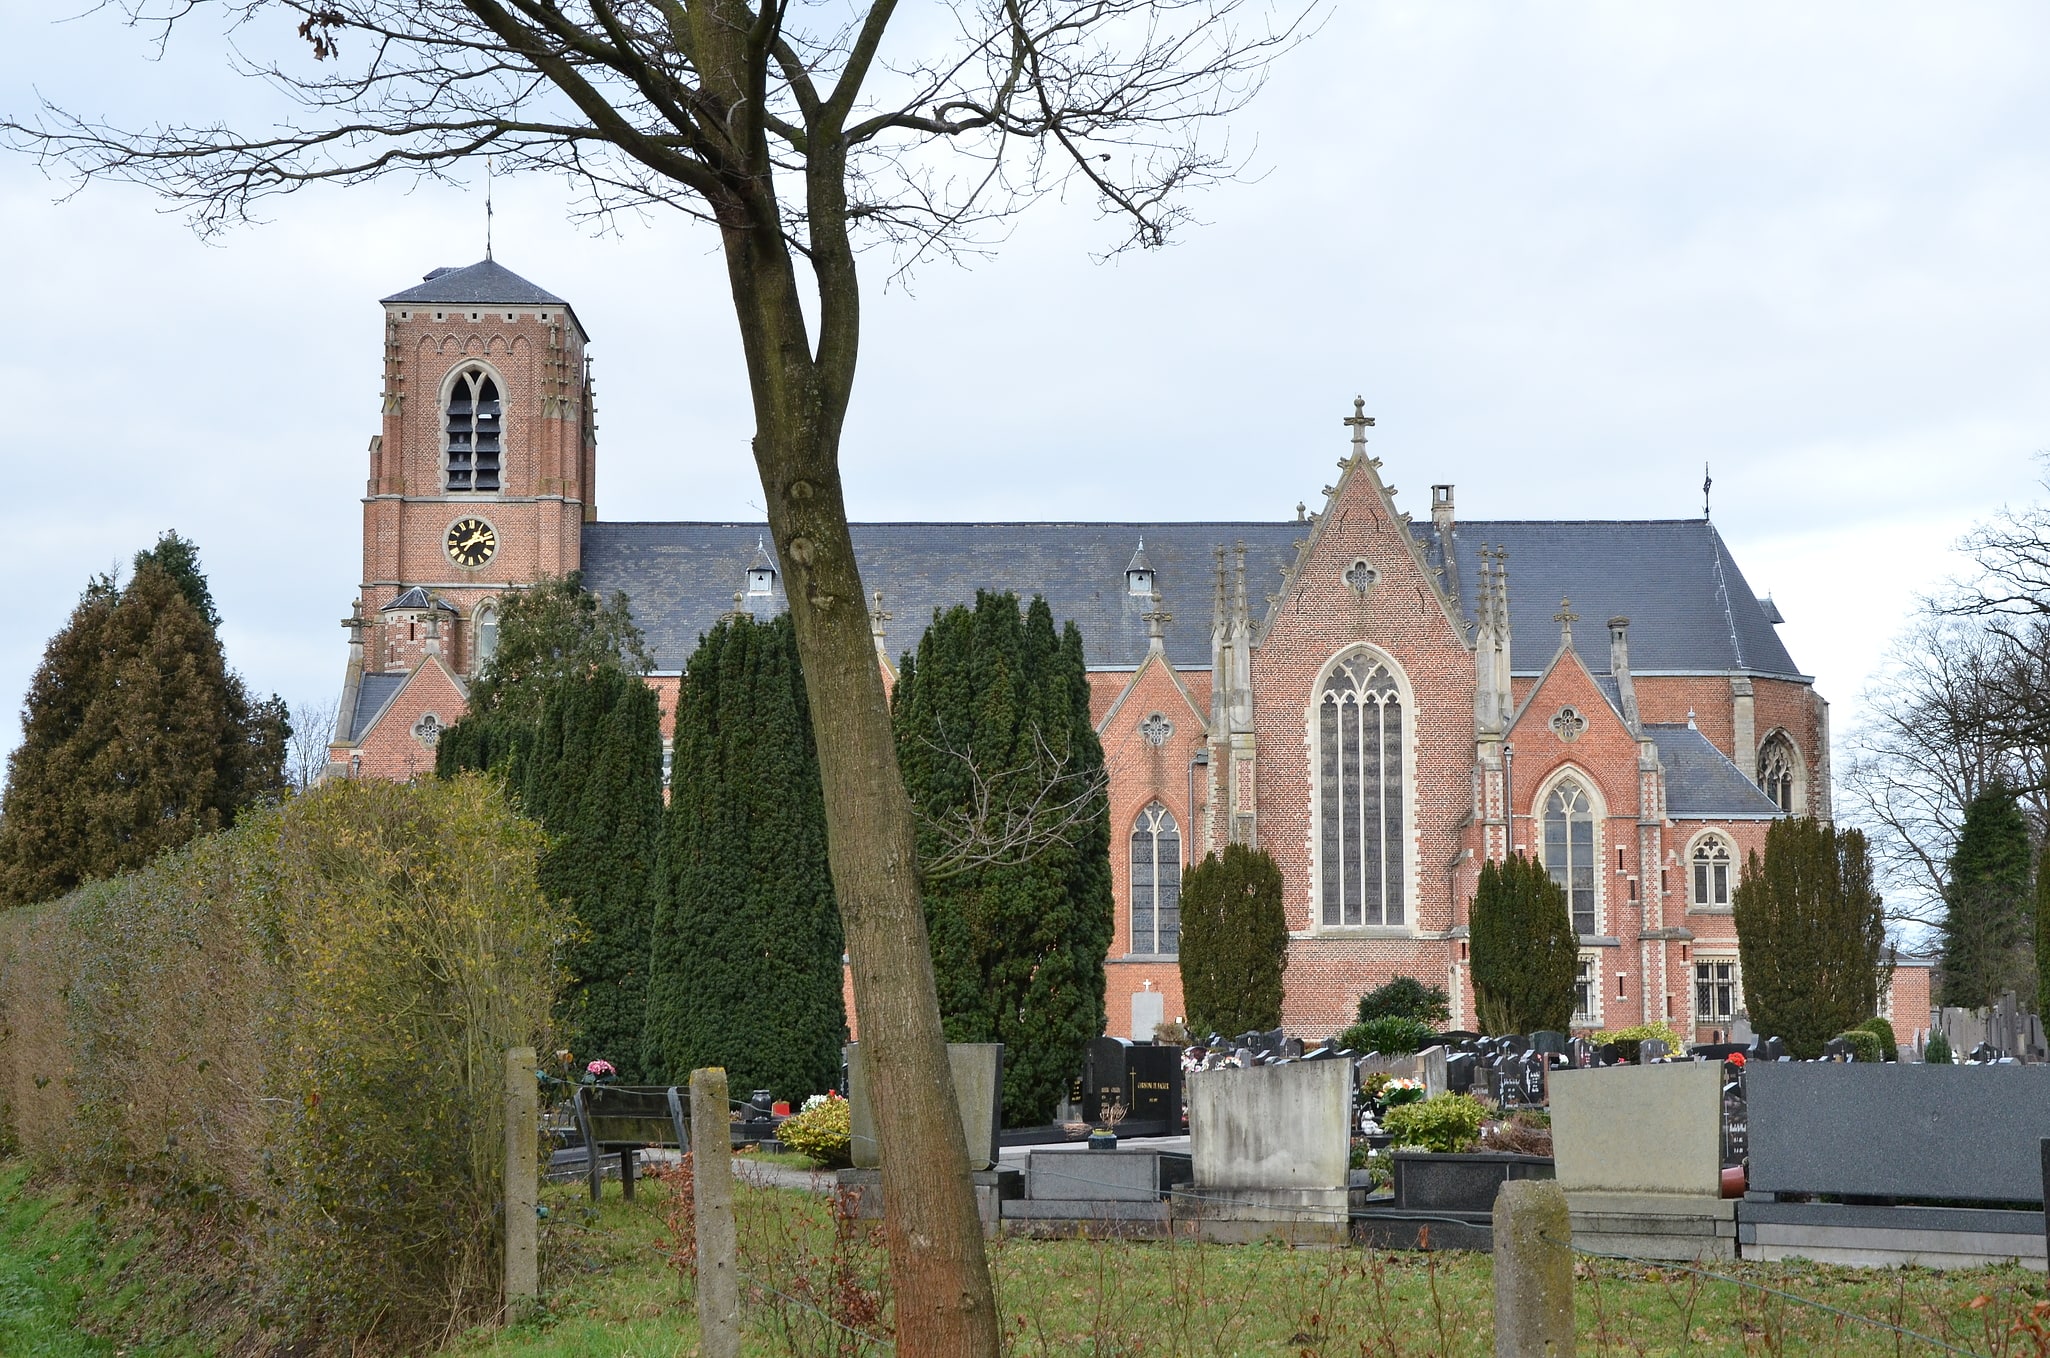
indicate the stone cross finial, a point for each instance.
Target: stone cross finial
{"x":877,"y":617}
{"x":1565,"y":617}
{"x":1156,"y":620}
{"x":1359,"y":422}
{"x":354,"y":622}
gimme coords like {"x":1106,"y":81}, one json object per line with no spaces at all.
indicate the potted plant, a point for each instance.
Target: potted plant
{"x":1105,"y":1138}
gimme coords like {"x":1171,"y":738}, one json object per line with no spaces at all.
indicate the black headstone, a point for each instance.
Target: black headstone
{"x":1459,"y":1072}
{"x":1103,"y":1077}
{"x":1153,"y":1088}
{"x":1608,"y":1054}
{"x":1545,"y":1041}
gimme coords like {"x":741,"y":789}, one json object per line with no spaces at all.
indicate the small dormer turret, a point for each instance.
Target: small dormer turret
{"x":1139,"y":574}
{"x":761,"y":574}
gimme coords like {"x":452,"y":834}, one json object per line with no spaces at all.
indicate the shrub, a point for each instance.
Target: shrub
{"x":1444,"y":1124}
{"x":823,"y":1130}
{"x":288,"y":1040}
{"x":1406,"y":997}
{"x":1525,"y":953}
{"x":1234,"y":941}
{"x":1864,"y":1045}
{"x":1394,"y":1035}
{"x":1812,"y":932}
{"x":1889,"y":1047}
{"x":1630,"y":1041}
{"x":1937,"y":1053}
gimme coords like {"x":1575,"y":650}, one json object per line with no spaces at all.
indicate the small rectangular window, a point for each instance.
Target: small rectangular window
{"x":1584,"y":991}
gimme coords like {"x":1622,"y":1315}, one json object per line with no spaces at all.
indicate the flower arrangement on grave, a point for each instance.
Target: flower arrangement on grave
{"x":1397,"y":1092}
{"x":600,"y":1072}
{"x":822,"y":1131}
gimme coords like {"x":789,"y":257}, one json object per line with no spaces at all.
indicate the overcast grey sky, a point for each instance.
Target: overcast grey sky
{"x":1567,"y":252}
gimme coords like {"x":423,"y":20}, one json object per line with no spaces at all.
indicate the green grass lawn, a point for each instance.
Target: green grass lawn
{"x":612,"y":1290}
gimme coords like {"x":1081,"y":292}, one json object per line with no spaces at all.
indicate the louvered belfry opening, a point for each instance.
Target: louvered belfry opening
{"x":474,"y":432}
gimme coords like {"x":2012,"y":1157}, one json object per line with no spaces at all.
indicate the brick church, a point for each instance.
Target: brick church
{"x":1380,"y":702}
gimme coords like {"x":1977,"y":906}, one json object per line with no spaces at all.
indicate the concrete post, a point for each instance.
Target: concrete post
{"x":1533,"y":1271}
{"x":711,"y":1146}
{"x":522,"y":1174}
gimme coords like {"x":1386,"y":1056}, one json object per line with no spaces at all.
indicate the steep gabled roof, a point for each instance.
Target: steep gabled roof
{"x":1690,"y":608}
{"x":485,"y":283}
{"x":373,"y":695}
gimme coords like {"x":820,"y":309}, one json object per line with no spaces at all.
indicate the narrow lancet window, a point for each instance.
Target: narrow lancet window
{"x":1156,"y":883}
{"x":1569,"y":850}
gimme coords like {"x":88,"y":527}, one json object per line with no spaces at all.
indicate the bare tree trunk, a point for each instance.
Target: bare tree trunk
{"x":946,"y":1306}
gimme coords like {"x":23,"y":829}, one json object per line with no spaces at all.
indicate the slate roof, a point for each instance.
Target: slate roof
{"x":1701,"y":782}
{"x":373,"y":694}
{"x":485,"y":283}
{"x":1690,"y":608}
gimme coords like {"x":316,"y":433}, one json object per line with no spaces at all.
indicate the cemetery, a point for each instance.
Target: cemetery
{"x":1721,"y":1152}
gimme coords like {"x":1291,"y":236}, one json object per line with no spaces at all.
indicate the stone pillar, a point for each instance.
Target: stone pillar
{"x":1533,"y":1271}
{"x":711,"y":1146}
{"x":1745,"y":726}
{"x":522,"y":1173}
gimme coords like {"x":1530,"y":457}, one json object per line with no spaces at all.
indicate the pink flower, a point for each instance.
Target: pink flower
{"x":600,"y":1069}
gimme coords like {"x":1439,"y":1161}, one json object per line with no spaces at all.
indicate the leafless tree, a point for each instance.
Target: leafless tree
{"x":1933,"y":738}
{"x":313,"y":726}
{"x":1014,"y":813}
{"x":800,"y":130}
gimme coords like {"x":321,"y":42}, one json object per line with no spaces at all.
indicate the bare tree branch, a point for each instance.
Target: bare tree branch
{"x":1015,"y":813}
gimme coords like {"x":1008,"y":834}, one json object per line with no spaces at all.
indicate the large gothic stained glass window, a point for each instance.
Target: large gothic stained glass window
{"x":1361,"y":805}
{"x":1569,"y":850}
{"x":1156,"y":883}
{"x":473,"y":431}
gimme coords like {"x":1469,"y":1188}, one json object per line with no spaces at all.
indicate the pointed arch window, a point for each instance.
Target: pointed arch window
{"x":487,"y":635}
{"x":1779,"y":770}
{"x":1569,"y":850}
{"x":1156,"y":883}
{"x":1362,"y":804}
{"x":1712,"y":873}
{"x":475,"y":435}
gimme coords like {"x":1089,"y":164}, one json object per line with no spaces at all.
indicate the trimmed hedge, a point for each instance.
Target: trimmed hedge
{"x":1448,"y":1123}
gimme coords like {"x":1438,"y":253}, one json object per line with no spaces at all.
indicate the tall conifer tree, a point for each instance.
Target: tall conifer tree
{"x":1810,"y":933}
{"x":992,"y":712}
{"x":1234,"y":946}
{"x":593,"y":777}
{"x":1524,"y":949}
{"x":136,"y":737}
{"x":745,"y":967}
{"x":1987,"y":934}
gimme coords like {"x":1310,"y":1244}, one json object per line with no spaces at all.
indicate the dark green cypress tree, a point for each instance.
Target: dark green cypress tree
{"x":1234,"y":948}
{"x":135,"y":738}
{"x":1525,"y":952}
{"x":1987,"y":933}
{"x":745,"y":967}
{"x":179,"y":558}
{"x":993,"y":729}
{"x":590,"y":771}
{"x":1810,"y":933}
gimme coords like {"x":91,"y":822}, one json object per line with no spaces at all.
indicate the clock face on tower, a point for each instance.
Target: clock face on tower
{"x":471,"y":542}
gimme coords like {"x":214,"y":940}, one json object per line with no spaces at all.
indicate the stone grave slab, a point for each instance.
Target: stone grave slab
{"x":978,"y":1069}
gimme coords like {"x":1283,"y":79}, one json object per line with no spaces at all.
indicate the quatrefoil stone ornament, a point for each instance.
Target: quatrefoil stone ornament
{"x":1156,"y":729}
{"x":1567,"y":724}
{"x":1361,"y":576}
{"x":427,"y":730}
